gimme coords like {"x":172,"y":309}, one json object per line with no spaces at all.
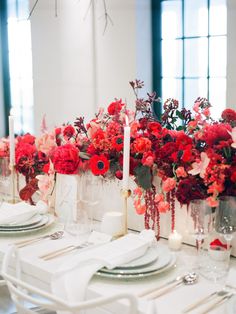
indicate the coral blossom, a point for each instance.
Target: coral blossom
{"x":168,"y":185}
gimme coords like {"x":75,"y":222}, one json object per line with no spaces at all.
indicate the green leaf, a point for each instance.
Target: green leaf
{"x":179,"y":128}
{"x":143,"y":176}
{"x":179,"y":114}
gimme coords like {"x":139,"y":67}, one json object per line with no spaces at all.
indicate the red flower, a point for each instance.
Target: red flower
{"x":142,"y":145}
{"x":183,"y":140}
{"x":99,"y":164}
{"x":117,"y":142}
{"x":166,"y":151}
{"x":115,"y":107}
{"x":154,"y":128}
{"x":66,"y":159}
{"x":215,"y":133}
{"x":69,"y":131}
{"x":25,"y":158}
{"x":229,"y":115}
{"x":27,"y":138}
{"x":189,"y":189}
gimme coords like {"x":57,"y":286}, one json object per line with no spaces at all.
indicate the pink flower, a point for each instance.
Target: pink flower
{"x":148,"y":159}
{"x":212,"y":202}
{"x":46,"y":143}
{"x":168,"y":185}
{"x":206,"y":112}
{"x":93,"y":127}
{"x":163,"y":206}
{"x":200,"y":167}
{"x":196,"y":106}
{"x":159,"y":198}
{"x":180,"y":172}
{"x":140,"y":210}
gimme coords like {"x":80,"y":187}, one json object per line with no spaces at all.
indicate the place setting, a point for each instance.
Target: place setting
{"x":22,"y":218}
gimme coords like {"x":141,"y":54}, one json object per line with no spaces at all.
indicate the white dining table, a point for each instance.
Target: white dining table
{"x":39,"y":272}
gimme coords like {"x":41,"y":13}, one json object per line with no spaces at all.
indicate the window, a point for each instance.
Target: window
{"x":20,"y":65}
{"x":193,"y":51}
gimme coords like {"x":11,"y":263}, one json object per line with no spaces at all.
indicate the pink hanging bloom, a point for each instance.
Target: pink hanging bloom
{"x":163,"y":206}
{"x":168,"y":185}
{"x":159,"y":198}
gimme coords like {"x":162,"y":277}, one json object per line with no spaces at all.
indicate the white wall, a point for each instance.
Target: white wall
{"x":231,"y":48}
{"x":2,"y":126}
{"x":76,"y":67}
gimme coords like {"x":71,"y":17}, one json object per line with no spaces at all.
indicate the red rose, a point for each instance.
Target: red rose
{"x":215,"y":133}
{"x":69,"y":131}
{"x":99,"y":164}
{"x":229,"y":115}
{"x":25,"y":158}
{"x":66,"y":159}
{"x":189,"y":189}
{"x":115,"y":107}
{"x":154,"y":128}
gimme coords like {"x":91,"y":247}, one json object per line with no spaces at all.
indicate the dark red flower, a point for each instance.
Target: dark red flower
{"x":119,"y":174}
{"x":154,"y":128}
{"x":189,"y":189}
{"x":66,"y":159}
{"x":99,"y":164}
{"x":228,"y":115}
{"x":25,"y":161}
{"x":69,"y":131}
{"x":182,"y":140}
{"x":115,"y":107}
{"x":166,"y":151}
{"x":117,"y":142}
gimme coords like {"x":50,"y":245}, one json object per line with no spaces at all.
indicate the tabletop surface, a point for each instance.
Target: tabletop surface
{"x":40,"y":272}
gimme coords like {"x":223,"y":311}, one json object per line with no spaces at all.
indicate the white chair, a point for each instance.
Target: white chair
{"x":23,"y":293}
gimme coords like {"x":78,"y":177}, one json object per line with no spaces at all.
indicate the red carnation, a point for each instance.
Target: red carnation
{"x":66,"y":159}
{"x":27,"y":138}
{"x":154,"y":128}
{"x":142,"y":145}
{"x":229,"y":115}
{"x":99,"y":164}
{"x":215,"y":133}
{"x":25,"y":158}
{"x":115,"y":107}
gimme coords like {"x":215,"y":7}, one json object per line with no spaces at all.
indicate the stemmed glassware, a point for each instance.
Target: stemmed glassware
{"x":200,"y":221}
{"x":225,"y":219}
{"x":5,"y":178}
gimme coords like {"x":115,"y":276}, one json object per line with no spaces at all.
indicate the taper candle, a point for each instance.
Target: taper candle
{"x":12,"y":139}
{"x":126,"y":155}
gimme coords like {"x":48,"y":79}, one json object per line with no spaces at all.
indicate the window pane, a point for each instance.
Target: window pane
{"x":172,"y":58}
{"x":195,"y":18}
{"x":194,"y":88}
{"x":218,"y":17}
{"x":218,"y":56}
{"x":171,"y":19}
{"x":217,"y":95}
{"x":196,"y":57}
{"x":172,"y":88}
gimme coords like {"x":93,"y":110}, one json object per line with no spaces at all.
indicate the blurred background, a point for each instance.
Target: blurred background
{"x":67,"y":58}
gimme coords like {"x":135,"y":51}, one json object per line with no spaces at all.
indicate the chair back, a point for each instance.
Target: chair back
{"x":23,"y":293}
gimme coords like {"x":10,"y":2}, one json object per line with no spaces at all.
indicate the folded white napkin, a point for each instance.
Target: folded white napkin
{"x":16,"y":213}
{"x":71,"y":279}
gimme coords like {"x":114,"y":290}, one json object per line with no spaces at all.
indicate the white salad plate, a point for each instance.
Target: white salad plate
{"x":46,"y":221}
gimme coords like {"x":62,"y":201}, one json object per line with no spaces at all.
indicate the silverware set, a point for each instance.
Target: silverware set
{"x":212,"y":300}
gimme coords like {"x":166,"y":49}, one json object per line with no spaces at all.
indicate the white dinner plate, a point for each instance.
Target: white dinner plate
{"x":163,"y":263}
{"x":47,"y":221}
{"x":149,"y":257}
{"x":30,"y":222}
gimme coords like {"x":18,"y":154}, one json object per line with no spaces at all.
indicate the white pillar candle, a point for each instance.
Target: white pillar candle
{"x":175,"y":241}
{"x":11,"y":140}
{"x":126,"y":155}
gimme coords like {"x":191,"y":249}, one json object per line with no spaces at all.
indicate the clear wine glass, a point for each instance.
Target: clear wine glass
{"x":225,"y":218}
{"x":200,"y":221}
{"x":5,"y":179}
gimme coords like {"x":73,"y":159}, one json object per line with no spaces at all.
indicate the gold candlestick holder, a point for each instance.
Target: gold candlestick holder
{"x":125,"y":194}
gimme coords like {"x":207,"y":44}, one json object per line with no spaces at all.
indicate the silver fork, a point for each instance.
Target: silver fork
{"x":206,"y":299}
{"x":64,"y":250}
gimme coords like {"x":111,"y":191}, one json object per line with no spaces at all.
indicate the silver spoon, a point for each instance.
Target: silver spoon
{"x":188,"y":279}
{"x":54,"y":236}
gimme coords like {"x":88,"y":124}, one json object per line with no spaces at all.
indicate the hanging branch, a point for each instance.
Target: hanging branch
{"x":32,"y":10}
{"x":107,"y":17}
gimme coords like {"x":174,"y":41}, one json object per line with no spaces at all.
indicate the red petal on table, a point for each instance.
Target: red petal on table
{"x":217,"y":242}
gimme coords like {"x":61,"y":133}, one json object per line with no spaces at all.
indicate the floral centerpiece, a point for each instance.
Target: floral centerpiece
{"x":181,"y":156}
